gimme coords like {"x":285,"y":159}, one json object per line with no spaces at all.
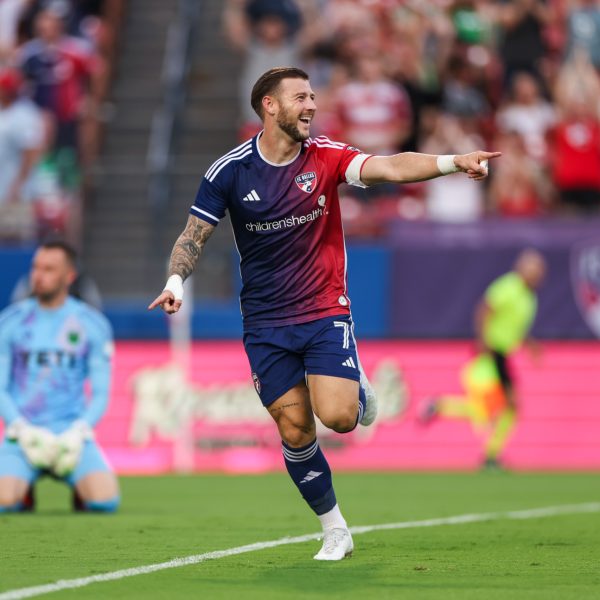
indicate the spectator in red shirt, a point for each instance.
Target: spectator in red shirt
{"x":375,"y":113}
{"x":576,"y":157}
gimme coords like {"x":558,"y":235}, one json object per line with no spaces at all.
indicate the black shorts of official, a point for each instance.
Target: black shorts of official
{"x":503,"y":369}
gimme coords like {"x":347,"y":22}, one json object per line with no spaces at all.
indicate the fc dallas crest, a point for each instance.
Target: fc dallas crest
{"x":256,"y":381}
{"x":307,"y":181}
{"x":585,"y":278}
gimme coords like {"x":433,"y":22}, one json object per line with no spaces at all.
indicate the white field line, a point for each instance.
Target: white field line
{"x":67,"y":584}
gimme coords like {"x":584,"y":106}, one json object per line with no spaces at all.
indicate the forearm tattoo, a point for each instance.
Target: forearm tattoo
{"x":188,"y":247}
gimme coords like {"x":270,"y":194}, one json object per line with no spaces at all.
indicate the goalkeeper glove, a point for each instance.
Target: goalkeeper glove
{"x":38,"y":443}
{"x":69,"y":447}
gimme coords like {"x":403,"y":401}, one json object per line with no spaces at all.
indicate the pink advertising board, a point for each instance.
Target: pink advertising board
{"x":161,"y":420}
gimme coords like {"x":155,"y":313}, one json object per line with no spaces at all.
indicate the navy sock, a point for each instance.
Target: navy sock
{"x":362,"y":402}
{"x":310,"y":472}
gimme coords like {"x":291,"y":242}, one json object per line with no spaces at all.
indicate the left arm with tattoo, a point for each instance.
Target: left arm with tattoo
{"x":184,"y":257}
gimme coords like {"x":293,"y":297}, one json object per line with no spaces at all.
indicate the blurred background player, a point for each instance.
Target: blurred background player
{"x":51,"y":347}
{"x":21,"y":146}
{"x":503,"y":320}
{"x":21,"y":137}
{"x":62,"y":72}
{"x":280,"y":189}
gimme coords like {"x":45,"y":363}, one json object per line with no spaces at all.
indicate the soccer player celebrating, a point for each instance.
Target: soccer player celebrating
{"x":51,"y":347}
{"x":280,"y":189}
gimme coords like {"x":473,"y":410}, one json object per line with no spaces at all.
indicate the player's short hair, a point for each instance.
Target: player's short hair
{"x":268,"y":83}
{"x":68,"y":250}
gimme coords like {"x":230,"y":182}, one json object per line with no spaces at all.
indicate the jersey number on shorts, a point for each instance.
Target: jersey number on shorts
{"x":346,"y":327}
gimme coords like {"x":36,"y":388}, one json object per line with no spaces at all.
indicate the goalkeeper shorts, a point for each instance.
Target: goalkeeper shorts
{"x":13,"y":463}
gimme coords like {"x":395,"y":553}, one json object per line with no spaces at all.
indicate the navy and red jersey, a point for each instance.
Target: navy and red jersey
{"x":287,"y":226}
{"x":58,"y":74}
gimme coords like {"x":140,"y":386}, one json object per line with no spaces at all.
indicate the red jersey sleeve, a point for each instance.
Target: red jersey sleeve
{"x":339,"y":157}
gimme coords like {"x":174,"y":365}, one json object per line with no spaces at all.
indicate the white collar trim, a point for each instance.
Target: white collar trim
{"x":285,"y":164}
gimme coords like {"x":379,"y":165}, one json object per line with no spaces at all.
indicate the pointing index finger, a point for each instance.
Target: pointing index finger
{"x":159,"y":300}
{"x":485,"y":155}
{"x":154,"y":304}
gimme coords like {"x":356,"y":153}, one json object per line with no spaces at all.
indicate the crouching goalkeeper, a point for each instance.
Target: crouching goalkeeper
{"x":55,"y":363}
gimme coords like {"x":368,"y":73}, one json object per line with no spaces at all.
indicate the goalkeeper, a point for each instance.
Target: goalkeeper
{"x":55,"y":364}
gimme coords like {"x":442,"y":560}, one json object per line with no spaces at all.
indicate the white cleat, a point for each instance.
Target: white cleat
{"x":337,"y":545}
{"x":371,"y":404}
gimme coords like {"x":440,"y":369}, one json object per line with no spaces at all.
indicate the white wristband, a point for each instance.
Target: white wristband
{"x":445,"y":163}
{"x":175,"y":286}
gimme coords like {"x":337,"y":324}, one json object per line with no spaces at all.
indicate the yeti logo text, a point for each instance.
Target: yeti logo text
{"x":307,"y":181}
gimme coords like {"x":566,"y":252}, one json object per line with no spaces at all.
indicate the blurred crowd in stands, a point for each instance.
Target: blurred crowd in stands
{"x":55,"y":58}
{"x":445,"y":77}
{"x":436,"y":76}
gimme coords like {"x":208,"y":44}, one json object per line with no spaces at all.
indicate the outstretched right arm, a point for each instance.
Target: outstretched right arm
{"x":184,"y":257}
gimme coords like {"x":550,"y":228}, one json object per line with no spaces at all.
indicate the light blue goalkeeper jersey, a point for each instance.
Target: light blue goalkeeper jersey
{"x":55,"y":364}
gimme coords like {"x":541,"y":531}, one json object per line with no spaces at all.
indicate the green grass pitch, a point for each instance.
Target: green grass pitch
{"x":162,"y":518}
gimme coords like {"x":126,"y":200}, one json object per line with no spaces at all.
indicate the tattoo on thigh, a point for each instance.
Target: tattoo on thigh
{"x":283,"y":407}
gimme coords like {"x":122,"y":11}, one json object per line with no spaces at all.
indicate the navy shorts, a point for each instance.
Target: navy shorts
{"x":281,"y":357}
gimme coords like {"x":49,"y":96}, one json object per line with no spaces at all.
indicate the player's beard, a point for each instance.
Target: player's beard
{"x":48,"y":295}
{"x":287,"y":124}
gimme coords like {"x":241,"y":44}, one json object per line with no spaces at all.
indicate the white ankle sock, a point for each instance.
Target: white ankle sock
{"x":333,"y":519}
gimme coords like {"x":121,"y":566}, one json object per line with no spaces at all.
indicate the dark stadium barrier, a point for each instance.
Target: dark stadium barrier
{"x":421,"y":281}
